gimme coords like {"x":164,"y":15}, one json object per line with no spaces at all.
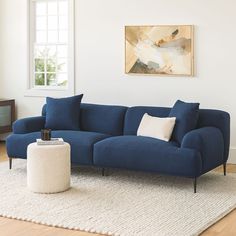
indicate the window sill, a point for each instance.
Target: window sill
{"x":48,"y":93}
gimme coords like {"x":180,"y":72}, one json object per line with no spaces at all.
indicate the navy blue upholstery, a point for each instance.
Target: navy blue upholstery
{"x":44,"y":110}
{"x":17,"y":144}
{"x":208,"y":141}
{"x":134,"y":115}
{"x":207,"y":117}
{"x":105,"y":119}
{"x":186,"y":118}
{"x":108,"y":139}
{"x":220,"y":120}
{"x":28,"y":125}
{"x":81,"y":144}
{"x":63,"y":113}
{"x":147,"y":154}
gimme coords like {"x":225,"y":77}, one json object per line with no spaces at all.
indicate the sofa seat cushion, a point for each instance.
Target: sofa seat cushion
{"x":81,"y":144}
{"x":147,"y":154}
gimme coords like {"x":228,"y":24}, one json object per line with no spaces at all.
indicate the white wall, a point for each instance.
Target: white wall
{"x":13,"y":56}
{"x":100,"y":54}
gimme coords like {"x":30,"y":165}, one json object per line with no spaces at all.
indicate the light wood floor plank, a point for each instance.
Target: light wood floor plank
{"x":10,"y":227}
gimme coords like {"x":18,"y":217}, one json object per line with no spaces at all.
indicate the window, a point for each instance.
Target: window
{"x":51,"y":46}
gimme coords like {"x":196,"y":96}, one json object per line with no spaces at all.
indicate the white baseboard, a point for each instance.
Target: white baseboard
{"x":232,"y":155}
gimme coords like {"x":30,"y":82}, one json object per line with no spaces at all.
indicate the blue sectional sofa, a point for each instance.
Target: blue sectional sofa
{"x":107,"y":139}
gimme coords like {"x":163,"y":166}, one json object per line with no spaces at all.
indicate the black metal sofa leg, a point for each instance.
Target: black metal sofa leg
{"x":224,"y":166}
{"x":104,"y":172}
{"x":195,"y":185}
{"x":10,"y":163}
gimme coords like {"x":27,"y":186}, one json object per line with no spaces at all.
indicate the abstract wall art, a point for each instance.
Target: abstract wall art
{"x":159,"y":50}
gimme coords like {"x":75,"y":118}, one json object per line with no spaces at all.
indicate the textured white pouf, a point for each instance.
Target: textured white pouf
{"x":48,"y":168}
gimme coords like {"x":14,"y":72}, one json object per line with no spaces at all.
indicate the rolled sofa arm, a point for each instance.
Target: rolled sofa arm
{"x":28,"y":125}
{"x":209,"y":142}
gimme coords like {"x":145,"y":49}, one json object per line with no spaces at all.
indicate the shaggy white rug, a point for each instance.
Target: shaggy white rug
{"x":123,"y":203}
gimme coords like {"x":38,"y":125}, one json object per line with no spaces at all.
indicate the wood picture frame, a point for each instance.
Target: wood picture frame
{"x":163,"y":50}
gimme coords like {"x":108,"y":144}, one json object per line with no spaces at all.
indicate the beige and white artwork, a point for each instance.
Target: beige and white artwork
{"x":159,"y":50}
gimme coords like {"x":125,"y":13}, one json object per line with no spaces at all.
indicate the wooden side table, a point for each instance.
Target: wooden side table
{"x":7,"y":115}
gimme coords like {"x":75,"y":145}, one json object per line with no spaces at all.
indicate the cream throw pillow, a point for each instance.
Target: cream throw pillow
{"x":156,"y":127}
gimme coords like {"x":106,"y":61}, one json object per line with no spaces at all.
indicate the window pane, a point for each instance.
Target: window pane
{"x":50,"y":55}
{"x":62,"y":79}
{"x":41,"y":8}
{"x":41,"y":36}
{"x":52,"y":23}
{"x":52,"y":36}
{"x":39,"y":65}
{"x":63,"y":22}
{"x":39,"y":51}
{"x":63,"y":8}
{"x":62,"y":65}
{"x":51,"y":65}
{"x":52,"y":8}
{"x":51,"y":79}
{"x":63,"y":36}
{"x":41,"y":23}
{"x":39,"y":79}
{"x":52,"y":51}
{"x":62,"y":51}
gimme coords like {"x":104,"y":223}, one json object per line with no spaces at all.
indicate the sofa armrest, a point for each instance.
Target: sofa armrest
{"x":28,"y":125}
{"x":209,"y":142}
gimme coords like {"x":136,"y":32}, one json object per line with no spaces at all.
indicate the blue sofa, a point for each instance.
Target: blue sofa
{"x":107,"y":139}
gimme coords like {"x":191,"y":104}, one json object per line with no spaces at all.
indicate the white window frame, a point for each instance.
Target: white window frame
{"x":56,"y":91}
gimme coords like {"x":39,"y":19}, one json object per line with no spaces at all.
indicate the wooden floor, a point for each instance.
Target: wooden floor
{"x":11,"y":227}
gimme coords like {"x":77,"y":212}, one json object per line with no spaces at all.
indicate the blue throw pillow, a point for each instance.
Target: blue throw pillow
{"x":63,"y":113}
{"x":186,"y":118}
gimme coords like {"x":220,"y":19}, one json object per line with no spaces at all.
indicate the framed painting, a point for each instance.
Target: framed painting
{"x":159,"y":50}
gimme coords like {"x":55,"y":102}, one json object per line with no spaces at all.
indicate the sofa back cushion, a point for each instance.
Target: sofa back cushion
{"x":134,"y":116}
{"x":105,"y":119}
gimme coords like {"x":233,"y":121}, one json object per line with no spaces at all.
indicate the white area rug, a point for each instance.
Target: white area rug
{"x":123,"y":203}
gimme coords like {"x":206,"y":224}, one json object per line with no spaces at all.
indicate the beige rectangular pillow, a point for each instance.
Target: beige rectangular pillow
{"x":156,"y":127}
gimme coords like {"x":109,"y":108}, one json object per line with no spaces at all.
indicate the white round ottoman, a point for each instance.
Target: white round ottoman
{"x":48,"y":168}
